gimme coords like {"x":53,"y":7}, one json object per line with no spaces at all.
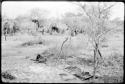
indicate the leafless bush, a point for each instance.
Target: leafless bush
{"x":98,"y":27}
{"x":6,"y":75}
{"x":33,"y":42}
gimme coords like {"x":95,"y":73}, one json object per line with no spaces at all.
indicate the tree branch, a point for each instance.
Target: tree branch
{"x":108,"y":7}
{"x":64,"y":42}
{"x":103,"y":33}
{"x":63,"y":45}
{"x":83,"y":7}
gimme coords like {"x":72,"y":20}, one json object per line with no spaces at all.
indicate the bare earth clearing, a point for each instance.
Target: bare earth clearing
{"x":16,"y":58}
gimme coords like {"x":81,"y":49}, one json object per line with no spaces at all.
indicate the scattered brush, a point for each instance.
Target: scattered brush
{"x":77,"y":72}
{"x":85,"y":61}
{"x":8,"y":76}
{"x":85,"y":76}
{"x":113,"y":60}
{"x":113,"y":79}
{"x":32,"y":43}
{"x":73,"y":69}
{"x":104,"y":46}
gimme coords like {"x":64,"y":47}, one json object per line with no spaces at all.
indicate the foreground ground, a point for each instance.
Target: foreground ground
{"x":17,"y":58}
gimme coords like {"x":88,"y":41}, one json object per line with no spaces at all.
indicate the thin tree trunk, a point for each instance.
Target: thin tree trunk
{"x":62,"y":48}
{"x":97,"y":54}
{"x":94,"y":70}
{"x":5,"y":34}
{"x":95,"y":60}
{"x":5,"y":37}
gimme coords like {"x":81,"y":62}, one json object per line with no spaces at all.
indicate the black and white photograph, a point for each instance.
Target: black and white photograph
{"x":62,"y":42}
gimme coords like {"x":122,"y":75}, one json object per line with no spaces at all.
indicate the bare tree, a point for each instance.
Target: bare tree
{"x":98,"y":27}
{"x":5,"y":29}
{"x":36,"y":15}
{"x":74,"y":24}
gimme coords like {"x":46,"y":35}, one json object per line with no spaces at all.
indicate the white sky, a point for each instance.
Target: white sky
{"x":13,"y":9}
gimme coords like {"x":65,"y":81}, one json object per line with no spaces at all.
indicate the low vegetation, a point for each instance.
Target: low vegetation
{"x":78,"y":48}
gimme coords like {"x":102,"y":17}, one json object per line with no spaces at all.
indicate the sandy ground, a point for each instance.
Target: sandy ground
{"x":16,"y":58}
